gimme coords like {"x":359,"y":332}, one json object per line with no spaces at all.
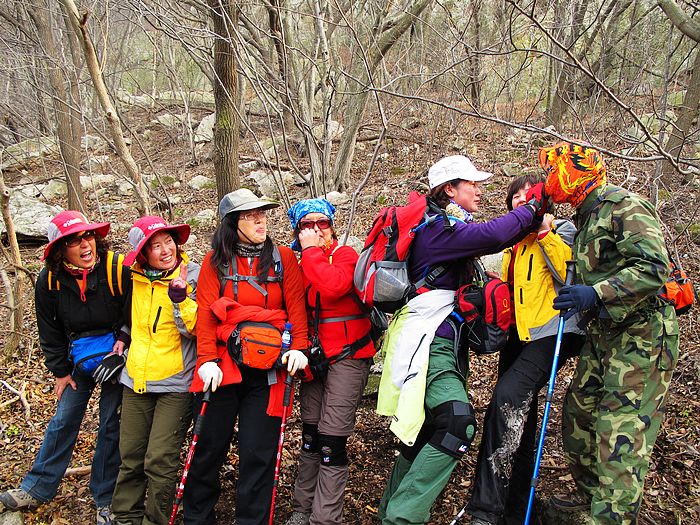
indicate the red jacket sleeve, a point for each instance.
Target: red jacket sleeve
{"x":333,"y":280}
{"x":208,"y":288}
{"x":294,"y":299}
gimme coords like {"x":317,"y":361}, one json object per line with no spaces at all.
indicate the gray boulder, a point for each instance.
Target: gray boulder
{"x":337,"y":198}
{"x":30,"y":216}
{"x":11,"y":518}
{"x":200,"y":182}
{"x":492,"y":262}
{"x":27,"y":153}
{"x":205,"y":129}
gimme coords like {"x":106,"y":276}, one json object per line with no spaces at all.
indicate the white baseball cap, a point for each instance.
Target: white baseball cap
{"x":454,"y":167}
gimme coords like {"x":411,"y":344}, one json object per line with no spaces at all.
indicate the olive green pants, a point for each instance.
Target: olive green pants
{"x":413,"y":486}
{"x":153,"y":427}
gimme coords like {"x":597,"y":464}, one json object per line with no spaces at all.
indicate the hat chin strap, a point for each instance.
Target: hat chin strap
{"x":250,"y":241}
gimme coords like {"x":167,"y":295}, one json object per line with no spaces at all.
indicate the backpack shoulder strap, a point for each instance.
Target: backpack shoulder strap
{"x":277,"y":263}
{"x":113,"y":267}
{"x":229,"y":272}
{"x":54,"y":285}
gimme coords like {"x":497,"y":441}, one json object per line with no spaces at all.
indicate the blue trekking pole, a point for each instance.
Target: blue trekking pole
{"x":548,"y":402}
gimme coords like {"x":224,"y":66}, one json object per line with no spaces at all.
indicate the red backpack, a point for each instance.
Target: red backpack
{"x":485,"y":306}
{"x":381,"y":275}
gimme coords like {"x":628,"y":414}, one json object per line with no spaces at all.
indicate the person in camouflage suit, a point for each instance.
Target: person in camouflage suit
{"x":615,"y":403}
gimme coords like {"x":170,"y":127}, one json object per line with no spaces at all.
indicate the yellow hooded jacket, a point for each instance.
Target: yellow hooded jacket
{"x":538,"y":273}
{"x":163,"y":348}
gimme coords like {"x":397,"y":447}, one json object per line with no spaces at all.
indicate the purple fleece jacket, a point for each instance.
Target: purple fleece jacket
{"x":434,"y":245}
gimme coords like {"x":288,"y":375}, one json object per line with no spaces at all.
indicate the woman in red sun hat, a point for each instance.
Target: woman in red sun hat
{"x":157,"y":405}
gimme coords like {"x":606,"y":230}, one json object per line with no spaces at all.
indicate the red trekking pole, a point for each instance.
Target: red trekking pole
{"x":287,"y":397}
{"x":195,"y":437}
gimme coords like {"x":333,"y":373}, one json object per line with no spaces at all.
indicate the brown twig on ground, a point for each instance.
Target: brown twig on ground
{"x":22,"y":398}
{"x":78,"y":471}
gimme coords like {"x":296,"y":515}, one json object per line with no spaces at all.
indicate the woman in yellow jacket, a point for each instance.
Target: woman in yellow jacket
{"x":156,"y":405}
{"x":536,"y":269}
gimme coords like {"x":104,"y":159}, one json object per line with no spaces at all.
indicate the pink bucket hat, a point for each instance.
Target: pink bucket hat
{"x":145,"y":228}
{"x":69,"y":222}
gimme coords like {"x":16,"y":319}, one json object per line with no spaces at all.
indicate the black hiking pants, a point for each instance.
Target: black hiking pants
{"x":509,"y":442}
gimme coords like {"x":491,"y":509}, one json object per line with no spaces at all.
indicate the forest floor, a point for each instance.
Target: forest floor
{"x":672,"y":490}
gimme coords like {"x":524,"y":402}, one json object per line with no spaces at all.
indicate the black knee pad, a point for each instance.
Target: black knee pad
{"x":332,"y":448}
{"x":455,"y":427}
{"x":309,"y":437}
{"x":410,"y":453}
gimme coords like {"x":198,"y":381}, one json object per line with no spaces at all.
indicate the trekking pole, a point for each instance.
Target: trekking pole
{"x":190,"y":454}
{"x":548,"y":399}
{"x":286,"y":402}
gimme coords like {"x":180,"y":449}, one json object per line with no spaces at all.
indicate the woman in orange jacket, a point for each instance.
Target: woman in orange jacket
{"x":341,"y":355}
{"x":244,"y":272}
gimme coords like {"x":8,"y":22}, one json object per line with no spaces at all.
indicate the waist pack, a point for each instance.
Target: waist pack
{"x":678,"y":290}
{"x":485,"y":310}
{"x":254,"y":344}
{"x":88,"y":350}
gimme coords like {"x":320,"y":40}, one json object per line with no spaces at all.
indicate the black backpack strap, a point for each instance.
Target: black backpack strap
{"x":229,"y":272}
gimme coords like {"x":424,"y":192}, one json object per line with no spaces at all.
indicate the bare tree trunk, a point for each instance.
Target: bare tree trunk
{"x":475,"y":58}
{"x":68,"y":139}
{"x":14,"y":293}
{"x":224,"y":14}
{"x":687,"y":114}
{"x":691,"y":102}
{"x":371,"y":60}
{"x":276,"y":30}
{"x":561,"y":98}
{"x":79,"y":26}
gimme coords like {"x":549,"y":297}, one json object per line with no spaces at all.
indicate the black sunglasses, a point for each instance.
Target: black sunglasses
{"x":75,"y":240}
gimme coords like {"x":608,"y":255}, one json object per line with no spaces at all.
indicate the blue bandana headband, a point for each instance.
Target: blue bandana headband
{"x":306,"y":206}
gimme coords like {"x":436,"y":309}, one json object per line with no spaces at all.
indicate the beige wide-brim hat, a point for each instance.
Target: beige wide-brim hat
{"x":244,"y":200}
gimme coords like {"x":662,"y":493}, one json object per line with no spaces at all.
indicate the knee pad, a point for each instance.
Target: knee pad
{"x":410,"y":453}
{"x":332,"y":448}
{"x":455,"y":427}
{"x":309,"y":437}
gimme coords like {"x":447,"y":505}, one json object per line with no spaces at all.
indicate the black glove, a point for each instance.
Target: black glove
{"x":108,"y":368}
{"x":575,"y":298}
{"x":538,"y":199}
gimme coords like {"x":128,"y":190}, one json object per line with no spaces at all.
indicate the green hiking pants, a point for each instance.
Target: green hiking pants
{"x":153,"y":427}
{"x":413,"y":486}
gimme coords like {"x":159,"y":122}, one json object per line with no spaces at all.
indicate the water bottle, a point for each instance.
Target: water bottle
{"x":286,"y":337}
{"x":286,"y":344}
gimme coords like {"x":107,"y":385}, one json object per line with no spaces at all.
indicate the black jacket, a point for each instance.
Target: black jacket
{"x":60,"y":313}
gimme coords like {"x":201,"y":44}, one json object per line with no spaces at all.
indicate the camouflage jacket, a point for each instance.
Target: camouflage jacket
{"x":620,"y":251}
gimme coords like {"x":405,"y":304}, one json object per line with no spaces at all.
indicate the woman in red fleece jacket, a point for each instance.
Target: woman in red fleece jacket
{"x":341,"y":328}
{"x":254,"y":292}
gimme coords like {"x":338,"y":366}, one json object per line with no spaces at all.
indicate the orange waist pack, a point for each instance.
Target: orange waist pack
{"x":679,"y":290}
{"x":256,"y":345}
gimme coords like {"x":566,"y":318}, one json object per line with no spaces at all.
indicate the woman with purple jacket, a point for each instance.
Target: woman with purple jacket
{"x":438,"y":433}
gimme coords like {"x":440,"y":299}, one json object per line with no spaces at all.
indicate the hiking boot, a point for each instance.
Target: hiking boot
{"x":298,"y":518}
{"x":574,"y":502}
{"x":18,"y":499}
{"x":105,"y":516}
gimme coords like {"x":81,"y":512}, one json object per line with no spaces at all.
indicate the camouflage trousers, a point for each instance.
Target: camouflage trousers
{"x":614,"y":408}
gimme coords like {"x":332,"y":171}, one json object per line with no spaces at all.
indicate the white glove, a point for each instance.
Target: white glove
{"x":295,"y":360}
{"x":211,"y":375}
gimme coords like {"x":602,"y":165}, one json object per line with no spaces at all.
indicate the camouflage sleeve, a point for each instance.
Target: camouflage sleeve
{"x":643,"y":261}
